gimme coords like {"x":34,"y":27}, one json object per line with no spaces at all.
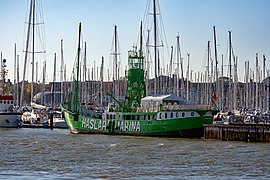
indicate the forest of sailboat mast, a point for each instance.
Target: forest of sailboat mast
{"x":218,"y":82}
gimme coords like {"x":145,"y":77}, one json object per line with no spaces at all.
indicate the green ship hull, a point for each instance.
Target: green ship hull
{"x":139,"y":114}
{"x":190,"y":126}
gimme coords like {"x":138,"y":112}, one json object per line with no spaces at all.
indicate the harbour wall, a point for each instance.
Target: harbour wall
{"x":238,"y":132}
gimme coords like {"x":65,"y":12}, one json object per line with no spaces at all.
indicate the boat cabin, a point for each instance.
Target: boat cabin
{"x":158,"y":103}
{"x":6,"y":103}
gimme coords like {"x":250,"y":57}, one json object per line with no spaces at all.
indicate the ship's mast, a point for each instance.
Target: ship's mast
{"x":33,"y":50}
{"x":187,"y":97}
{"x":263,"y":83}
{"x":62,"y":73}
{"x":230,"y":73}
{"x":14,"y":88}
{"x":54,"y":78}
{"x":235,"y":84}
{"x":208,"y":74}
{"x":26,"y":52}
{"x":101,"y":82}
{"x":76,"y":88}
{"x":155,"y":45}
{"x":35,"y":15}
{"x":257,"y":83}
{"x":267,"y":88}
{"x":216,"y":67}
{"x":147,"y":63}
{"x":178,"y":54}
{"x":153,"y":10}
{"x":247,"y":84}
{"x":43,"y":83}
{"x":83,"y":84}
{"x":170,"y":72}
{"x":222,"y":85}
{"x":141,"y":41}
{"x":17,"y":93}
{"x":116,"y":64}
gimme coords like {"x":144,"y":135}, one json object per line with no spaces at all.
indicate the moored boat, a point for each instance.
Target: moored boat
{"x":36,"y":115}
{"x":139,"y":115}
{"x":40,"y":116}
{"x":8,"y":115}
{"x":58,"y":120}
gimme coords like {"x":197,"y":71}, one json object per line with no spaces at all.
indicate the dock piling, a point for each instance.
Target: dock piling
{"x":51,"y":121}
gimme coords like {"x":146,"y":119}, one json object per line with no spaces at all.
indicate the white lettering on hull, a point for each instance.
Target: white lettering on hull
{"x":120,"y":125}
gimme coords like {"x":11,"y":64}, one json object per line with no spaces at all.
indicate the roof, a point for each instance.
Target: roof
{"x":37,"y":106}
{"x":6,"y":97}
{"x":168,"y":97}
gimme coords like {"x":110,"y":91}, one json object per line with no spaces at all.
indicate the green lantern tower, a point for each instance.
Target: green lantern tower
{"x":136,"y":88}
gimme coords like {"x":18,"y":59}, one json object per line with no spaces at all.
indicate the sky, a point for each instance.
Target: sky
{"x":193,"y":20}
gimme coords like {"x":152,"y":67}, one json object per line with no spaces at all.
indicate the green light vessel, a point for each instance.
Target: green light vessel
{"x":138,"y":115}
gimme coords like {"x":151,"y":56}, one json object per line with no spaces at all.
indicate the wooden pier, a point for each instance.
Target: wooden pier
{"x":251,"y":132}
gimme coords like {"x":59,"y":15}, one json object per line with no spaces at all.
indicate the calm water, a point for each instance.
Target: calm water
{"x":57,"y":154}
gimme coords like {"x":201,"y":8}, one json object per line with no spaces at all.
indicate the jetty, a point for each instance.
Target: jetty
{"x":249,"y":132}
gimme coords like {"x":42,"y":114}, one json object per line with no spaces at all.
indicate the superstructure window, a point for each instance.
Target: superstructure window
{"x":128,"y":117}
{"x":183,"y":114}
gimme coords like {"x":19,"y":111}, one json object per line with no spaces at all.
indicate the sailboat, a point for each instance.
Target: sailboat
{"x":138,"y":115}
{"x":34,"y":41}
{"x":8,"y":116}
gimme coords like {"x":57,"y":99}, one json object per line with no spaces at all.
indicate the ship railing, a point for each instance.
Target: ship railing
{"x":186,"y":107}
{"x":173,"y":108}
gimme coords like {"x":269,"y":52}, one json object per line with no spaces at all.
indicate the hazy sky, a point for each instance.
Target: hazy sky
{"x":249,"y":21}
